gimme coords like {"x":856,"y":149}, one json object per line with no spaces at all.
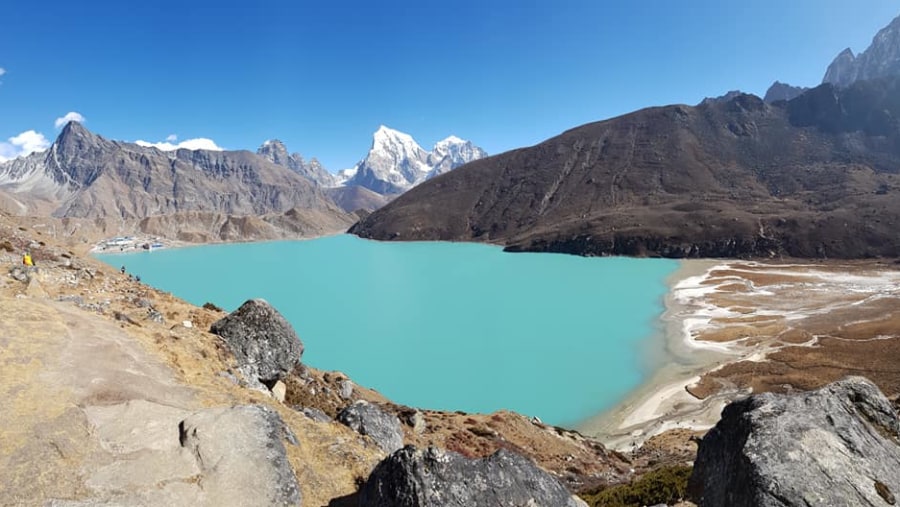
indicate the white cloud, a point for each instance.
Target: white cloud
{"x":23,"y":144}
{"x":200,"y":143}
{"x":171,"y":138}
{"x":70,"y":116}
{"x":2,"y":71}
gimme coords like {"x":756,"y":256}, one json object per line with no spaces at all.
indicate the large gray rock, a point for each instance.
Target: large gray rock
{"x":262,"y":340}
{"x":241,"y":456}
{"x":834,"y":446}
{"x":433,"y":478}
{"x":367,"y":419}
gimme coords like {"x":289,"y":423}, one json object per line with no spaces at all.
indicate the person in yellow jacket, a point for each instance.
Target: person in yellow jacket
{"x":26,"y":259}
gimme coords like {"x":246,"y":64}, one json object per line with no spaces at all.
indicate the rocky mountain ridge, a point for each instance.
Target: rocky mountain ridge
{"x":83,"y":175}
{"x":276,"y":152}
{"x":813,"y":177}
{"x":880,"y":59}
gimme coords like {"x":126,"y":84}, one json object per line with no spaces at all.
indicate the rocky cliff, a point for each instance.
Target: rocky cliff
{"x":813,"y":177}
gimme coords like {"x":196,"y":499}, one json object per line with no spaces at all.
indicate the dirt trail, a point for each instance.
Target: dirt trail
{"x":56,"y":362}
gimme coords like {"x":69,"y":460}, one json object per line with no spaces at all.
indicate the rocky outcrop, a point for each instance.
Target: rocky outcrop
{"x":367,"y":419}
{"x":241,"y":455}
{"x":262,"y":340}
{"x":834,"y":446}
{"x":436,"y":478}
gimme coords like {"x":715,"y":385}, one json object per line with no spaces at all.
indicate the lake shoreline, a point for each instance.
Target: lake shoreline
{"x":662,"y":402}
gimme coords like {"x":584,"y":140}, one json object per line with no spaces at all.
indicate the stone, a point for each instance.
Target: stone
{"x":154,"y":316}
{"x":436,"y":478}
{"x":416,"y":421}
{"x":279,"y":390}
{"x":837,"y":445}
{"x":19,"y":273}
{"x":241,"y":456}
{"x":367,"y":419}
{"x":123,"y":317}
{"x":315,"y":414}
{"x":72,"y":298}
{"x":346,"y":389}
{"x":263,"y":342}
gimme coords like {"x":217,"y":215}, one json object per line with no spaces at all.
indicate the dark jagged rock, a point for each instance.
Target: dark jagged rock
{"x":241,"y":455}
{"x":783,"y":91}
{"x":262,"y":340}
{"x":834,"y":446}
{"x":437,"y":478}
{"x":367,"y":419}
{"x":815,"y":177}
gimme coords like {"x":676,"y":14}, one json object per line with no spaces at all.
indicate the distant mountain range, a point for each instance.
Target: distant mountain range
{"x":816,"y":176}
{"x":880,"y":59}
{"x":394,"y":164}
{"x":83,"y":175}
{"x":204,"y":194}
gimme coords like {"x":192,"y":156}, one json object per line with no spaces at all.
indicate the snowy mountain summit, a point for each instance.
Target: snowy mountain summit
{"x":395,"y":162}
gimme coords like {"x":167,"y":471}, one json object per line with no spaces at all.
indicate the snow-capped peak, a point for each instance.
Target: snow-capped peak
{"x":394,"y":143}
{"x":450,"y":140}
{"x":396,"y":162}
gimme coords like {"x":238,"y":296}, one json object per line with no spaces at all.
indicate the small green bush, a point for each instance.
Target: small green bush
{"x":666,"y":485}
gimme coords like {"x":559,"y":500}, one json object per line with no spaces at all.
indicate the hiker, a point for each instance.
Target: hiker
{"x":26,"y":260}
{"x":122,"y":270}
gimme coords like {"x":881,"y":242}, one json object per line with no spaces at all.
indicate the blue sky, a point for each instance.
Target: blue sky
{"x":322,"y":76}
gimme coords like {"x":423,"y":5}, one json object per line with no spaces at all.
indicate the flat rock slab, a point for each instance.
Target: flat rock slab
{"x":91,"y":418}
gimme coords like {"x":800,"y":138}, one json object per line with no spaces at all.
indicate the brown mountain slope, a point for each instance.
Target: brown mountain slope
{"x":813,"y":177}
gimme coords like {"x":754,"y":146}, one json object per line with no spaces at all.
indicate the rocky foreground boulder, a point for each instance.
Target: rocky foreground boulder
{"x":262,"y":340}
{"x":367,"y":419}
{"x":834,"y":446}
{"x":437,"y":478}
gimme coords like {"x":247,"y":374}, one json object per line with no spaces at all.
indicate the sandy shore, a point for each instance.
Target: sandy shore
{"x":731,"y":327}
{"x":662,"y":402}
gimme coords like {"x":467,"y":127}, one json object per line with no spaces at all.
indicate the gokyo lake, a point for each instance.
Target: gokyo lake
{"x":450,"y":326}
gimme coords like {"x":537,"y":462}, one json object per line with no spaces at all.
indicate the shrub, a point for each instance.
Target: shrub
{"x":666,"y":485}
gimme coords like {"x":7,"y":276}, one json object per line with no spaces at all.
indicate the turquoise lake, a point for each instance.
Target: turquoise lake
{"x":452,"y":326}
